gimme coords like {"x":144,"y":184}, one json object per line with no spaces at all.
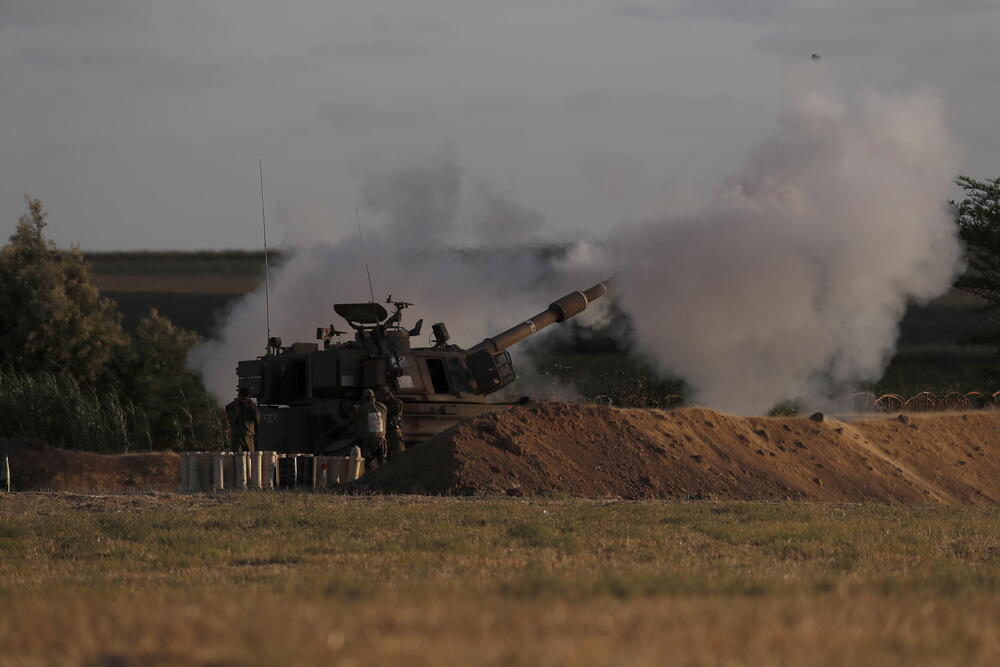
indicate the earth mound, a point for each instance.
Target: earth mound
{"x":696,"y":453}
{"x":34,"y":466}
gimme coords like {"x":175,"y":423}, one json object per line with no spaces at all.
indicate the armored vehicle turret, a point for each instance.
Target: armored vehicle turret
{"x":307,"y":391}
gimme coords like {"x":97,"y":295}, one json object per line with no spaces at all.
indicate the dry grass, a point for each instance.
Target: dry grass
{"x":319,"y":579}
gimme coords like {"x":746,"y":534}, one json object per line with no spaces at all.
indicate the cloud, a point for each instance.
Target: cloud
{"x":145,"y":68}
{"x":88,"y":57}
{"x":641,"y":12}
{"x":733,"y":10}
{"x":353,"y":112}
{"x":384,"y":48}
{"x":608,"y":99}
{"x":39,"y":13}
{"x":768,"y":11}
{"x":420,"y":197}
{"x":920,"y":35}
{"x":478,"y":106}
{"x":410,"y":21}
{"x":360,"y":113}
{"x":777,"y":12}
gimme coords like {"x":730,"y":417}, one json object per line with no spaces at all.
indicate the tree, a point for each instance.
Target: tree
{"x":60,"y":333}
{"x":978,"y":219}
{"x":55,"y":319}
{"x":153,"y":374}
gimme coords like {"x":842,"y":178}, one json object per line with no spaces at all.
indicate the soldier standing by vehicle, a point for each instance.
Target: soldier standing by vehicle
{"x":243,"y":418}
{"x":372,"y":417}
{"x":394,"y":421}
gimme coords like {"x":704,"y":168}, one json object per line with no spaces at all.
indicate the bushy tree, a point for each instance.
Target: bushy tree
{"x":59,"y":332}
{"x":54,"y":317}
{"x":978,"y":218}
{"x":152,"y":372}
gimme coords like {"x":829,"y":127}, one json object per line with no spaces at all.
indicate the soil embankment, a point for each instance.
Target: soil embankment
{"x":37,"y":467}
{"x":589,"y":451}
{"x":696,"y":453}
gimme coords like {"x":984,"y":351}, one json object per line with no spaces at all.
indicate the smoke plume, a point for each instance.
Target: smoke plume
{"x":417,"y":216}
{"x":791,"y":282}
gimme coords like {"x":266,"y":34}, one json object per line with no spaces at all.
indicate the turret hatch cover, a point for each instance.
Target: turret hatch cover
{"x":362,"y":313}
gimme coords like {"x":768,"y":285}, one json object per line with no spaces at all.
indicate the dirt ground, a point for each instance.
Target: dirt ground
{"x":37,"y":467}
{"x":597,"y":452}
{"x":696,"y":453}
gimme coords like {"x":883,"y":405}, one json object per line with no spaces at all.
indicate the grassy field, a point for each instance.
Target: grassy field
{"x":243,"y":263}
{"x":321,"y":579}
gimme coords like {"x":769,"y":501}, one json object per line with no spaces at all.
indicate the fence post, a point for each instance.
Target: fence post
{"x":218,"y":472}
{"x":256,"y":461}
{"x":267,"y":469}
{"x":240,"y":470}
{"x":320,"y":463}
{"x":193,"y":478}
{"x":357,"y":464}
{"x":5,"y":475}
{"x":205,"y":470}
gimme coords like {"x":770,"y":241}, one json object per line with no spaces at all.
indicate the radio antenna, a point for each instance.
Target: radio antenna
{"x":364,"y":255}
{"x":267,"y":276}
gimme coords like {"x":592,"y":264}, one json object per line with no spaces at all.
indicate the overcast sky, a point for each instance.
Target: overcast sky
{"x":139,"y":124}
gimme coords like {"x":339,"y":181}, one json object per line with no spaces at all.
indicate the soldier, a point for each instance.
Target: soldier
{"x":394,"y":421}
{"x":244,"y":418}
{"x":371,"y":416}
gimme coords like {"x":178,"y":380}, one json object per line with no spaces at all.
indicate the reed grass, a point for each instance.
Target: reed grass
{"x":62,"y":412}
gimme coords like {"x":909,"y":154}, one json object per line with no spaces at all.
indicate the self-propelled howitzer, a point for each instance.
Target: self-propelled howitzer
{"x":307,"y":391}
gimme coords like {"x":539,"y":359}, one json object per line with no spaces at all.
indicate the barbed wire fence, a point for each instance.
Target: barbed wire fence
{"x":925,"y":401}
{"x":859,"y":402}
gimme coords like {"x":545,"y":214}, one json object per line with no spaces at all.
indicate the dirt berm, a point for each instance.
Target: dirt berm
{"x":37,"y":467}
{"x":696,"y":453}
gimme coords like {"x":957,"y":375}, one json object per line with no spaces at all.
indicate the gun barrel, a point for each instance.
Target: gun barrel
{"x":559,"y":310}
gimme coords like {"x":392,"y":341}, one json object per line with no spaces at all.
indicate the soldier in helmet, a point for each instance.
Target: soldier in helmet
{"x":394,"y":421}
{"x":243,"y":418}
{"x":372,"y":417}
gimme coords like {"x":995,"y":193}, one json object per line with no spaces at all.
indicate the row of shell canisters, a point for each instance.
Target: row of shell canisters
{"x":265,"y":470}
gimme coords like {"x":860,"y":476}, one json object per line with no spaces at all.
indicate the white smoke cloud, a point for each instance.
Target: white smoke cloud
{"x":791,"y":282}
{"x":787,"y":282}
{"x":417,"y":213}
{"x":308,"y":221}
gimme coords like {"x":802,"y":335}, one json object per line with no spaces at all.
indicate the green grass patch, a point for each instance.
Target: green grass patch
{"x":578,"y":549}
{"x":300,"y":578}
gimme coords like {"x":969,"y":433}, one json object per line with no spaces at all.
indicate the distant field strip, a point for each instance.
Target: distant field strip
{"x":194,"y":288}
{"x":203,"y":284}
{"x":200,"y":311}
{"x":317,"y":579}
